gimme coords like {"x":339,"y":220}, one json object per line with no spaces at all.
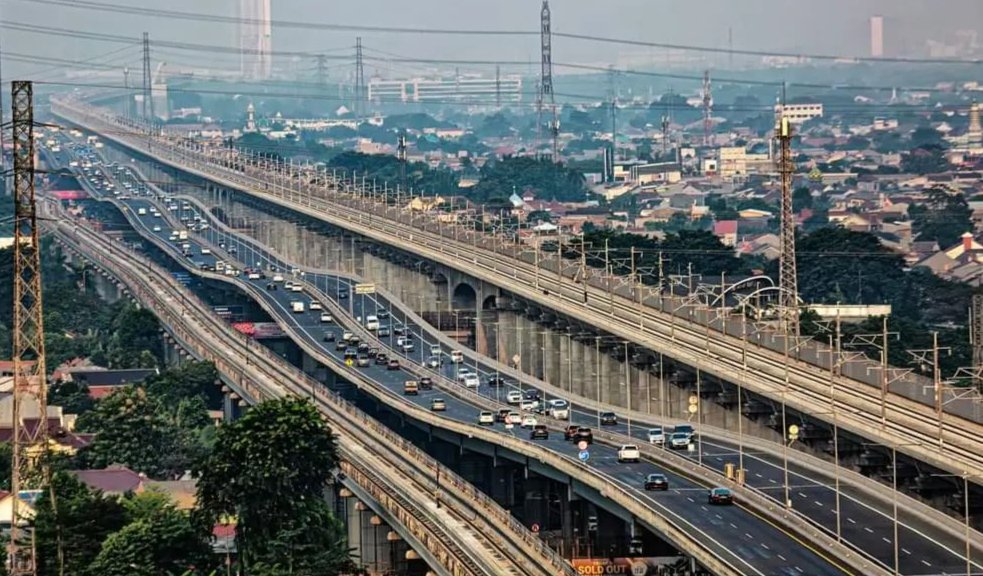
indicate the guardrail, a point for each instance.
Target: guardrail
{"x":953,"y":444}
{"x":260,"y":391}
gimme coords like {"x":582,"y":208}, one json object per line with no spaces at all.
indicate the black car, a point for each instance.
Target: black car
{"x":533,"y":394}
{"x":609,"y":419}
{"x":271,"y":286}
{"x":570,"y":432}
{"x":329,"y":337}
{"x":382,"y":314}
{"x":721,"y":496}
{"x":584,"y":435}
{"x":426,"y":383}
{"x":373,"y":352}
{"x":382,"y":358}
{"x":495,"y":381}
{"x":656,"y":482}
{"x":340,"y":345}
{"x":363,"y":348}
{"x":351,"y":354}
{"x":539,"y":432}
{"x":399,"y":330}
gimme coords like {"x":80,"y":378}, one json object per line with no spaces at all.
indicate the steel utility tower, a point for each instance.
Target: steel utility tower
{"x":359,"y":79}
{"x":546,"y":75}
{"x":322,"y":71}
{"x":30,"y":445}
{"x":707,"y":105}
{"x":976,"y":337}
{"x":401,"y":157}
{"x":787,"y":277}
{"x":148,"y":82}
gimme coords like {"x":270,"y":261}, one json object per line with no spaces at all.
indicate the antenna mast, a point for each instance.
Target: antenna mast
{"x":787,"y":277}
{"x":546,"y":76}
{"x":148,"y":100}
{"x":707,"y":105}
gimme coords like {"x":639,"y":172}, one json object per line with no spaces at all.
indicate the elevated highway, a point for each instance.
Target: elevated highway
{"x":721,"y":529}
{"x":930,"y":423}
{"x":461,"y":533}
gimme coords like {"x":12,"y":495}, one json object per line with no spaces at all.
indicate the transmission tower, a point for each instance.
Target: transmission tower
{"x":498,"y":86}
{"x":359,"y":79}
{"x":613,"y":98}
{"x":30,"y":445}
{"x":976,"y":337}
{"x":546,"y":75}
{"x":707,"y":105}
{"x":148,"y":90}
{"x":127,"y":97}
{"x":321,"y":77}
{"x":401,"y":157}
{"x":787,"y":277}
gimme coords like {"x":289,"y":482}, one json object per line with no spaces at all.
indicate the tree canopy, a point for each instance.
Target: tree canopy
{"x":548,"y":180}
{"x":944,"y":217}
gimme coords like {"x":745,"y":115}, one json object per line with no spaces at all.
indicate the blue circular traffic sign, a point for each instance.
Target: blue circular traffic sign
{"x":584,"y":455}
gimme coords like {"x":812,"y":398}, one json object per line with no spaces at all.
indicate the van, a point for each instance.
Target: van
{"x":371,"y":323}
{"x":297,"y":307}
{"x":559,"y":409}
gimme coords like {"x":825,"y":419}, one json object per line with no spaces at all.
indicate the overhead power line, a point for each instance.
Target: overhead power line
{"x":181,"y":15}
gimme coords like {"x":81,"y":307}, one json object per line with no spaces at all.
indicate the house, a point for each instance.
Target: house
{"x":964,"y":261}
{"x":114,"y":480}
{"x":102,"y":382}
{"x":25,"y":508}
{"x":726,"y":230}
{"x":658,"y":172}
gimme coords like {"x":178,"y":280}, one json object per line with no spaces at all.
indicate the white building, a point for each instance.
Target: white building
{"x":799,"y":113}
{"x":255,"y":39}
{"x":467,"y":88}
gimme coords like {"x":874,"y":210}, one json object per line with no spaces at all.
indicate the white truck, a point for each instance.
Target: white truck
{"x":183,"y":235}
{"x":297,"y":307}
{"x":629,"y":453}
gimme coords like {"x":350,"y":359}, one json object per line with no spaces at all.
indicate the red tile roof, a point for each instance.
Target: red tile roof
{"x":111,"y":480}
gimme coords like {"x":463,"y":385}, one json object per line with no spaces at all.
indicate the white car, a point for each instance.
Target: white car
{"x":206,"y":251}
{"x":372,"y":323}
{"x":463,"y":373}
{"x":326,"y":318}
{"x":315,"y":305}
{"x":657,"y":436}
{"x":296,"y":288}
{"x":486,"y":418}
{"x":629,"y":453}
{"x":156,"y":228}
{"x":278,"y":278}
{"x":471,"y":381}
{"x":513,"y":397}
{"x":529,"y":421}
{"x":529,"y":404}
{"x":457,"y":356}
{"x":559,"y":409}
{"x":254,"y":276}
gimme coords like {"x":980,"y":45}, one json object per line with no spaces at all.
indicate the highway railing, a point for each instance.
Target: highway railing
{"x":949,"y":442}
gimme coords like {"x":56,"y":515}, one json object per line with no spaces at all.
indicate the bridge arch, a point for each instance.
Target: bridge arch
{"x":464,"y":297}
{"x":490,"y":303}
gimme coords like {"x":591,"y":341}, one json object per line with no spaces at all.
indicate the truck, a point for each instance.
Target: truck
{"x":297,"y":307}
{"x":141,"y":211}
{"x":629,"y":453}
{"x":182,"y":235}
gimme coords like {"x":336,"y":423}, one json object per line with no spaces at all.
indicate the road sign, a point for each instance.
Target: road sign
{"x":349,"y":362}
{"x":365,"y":288}
{"x":693,"y":408}
{"x":582,"y":445}
{"x":694,"y":400}
{"x":534,"y":528}
{"x":584,"y":455}
{"x":793,"y":432}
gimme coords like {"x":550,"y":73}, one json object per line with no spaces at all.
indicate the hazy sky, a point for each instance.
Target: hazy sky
{"x":837,"y":26}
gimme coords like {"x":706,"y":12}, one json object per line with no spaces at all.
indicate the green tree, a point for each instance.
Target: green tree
{"x":925,"y":160}
{"x":130,"y":431}
{"x":801,"y":198}
{"x":548,"y":180}
{"x":85,"y":518}
{"x":72,"y":396}
{"x":944,"y":217}
{"x":159,"y":540}
{"x":268,"y":470}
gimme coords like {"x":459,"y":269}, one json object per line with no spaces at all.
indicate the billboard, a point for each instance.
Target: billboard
{"x":654,"y":566}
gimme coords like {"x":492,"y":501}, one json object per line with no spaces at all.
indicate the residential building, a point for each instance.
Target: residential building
{"x":800,"y":113}
{"x":464,"y":88}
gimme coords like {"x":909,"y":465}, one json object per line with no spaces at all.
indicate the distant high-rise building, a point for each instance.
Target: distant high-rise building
{"x":877,"y":36}
{"x":256,"y":39}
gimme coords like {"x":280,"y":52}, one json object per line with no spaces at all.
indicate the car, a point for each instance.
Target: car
{"x":206,"y":251}
{"x":685,"y":429}
{"x":406,"y":346}
{"x":570,"y":432}
{"x":533,"y":394}
{"x":486,"y":418}
{"x":346,"y":335}
{"x":363,"y":347}
{"x":436,"y":350}
{"x":411,"y":388}
{"x":399,"y":330}
{"x":513,"y":397}
{"x":457,"y":356}
{"x":382,"y":359}
{"x":277,"y":278}
{"x":502,"y":414}
{"x":329,"y":337}
{"x":529,"y":421}
{"x":629,"y":453}
{"x":351,"y":354}
{"x":679,"y":440}
{"x":271,"y":286}
{"x":315,"y":305}
{"x":426,"y":383}
{"x":393,"y":364}
{"x":471,"y":381}
{"x":559,"y":408}
{"x":438,"y":405}
{"x":254,"y":275}
{"x":432,"y":362}
{"x":326,"y":318}
{"x":656,"y":482}
{"x":382,"y":313}
{"x":297,"y":288}
{"x":657,"y":436}
{"x":372,"y":323}
{"x":289,"y":285}
{"x":495,"y":381}
{"x":354,"y":340}
{"x":364,"y":361}
{"x":156,"y":228}
{"x":341,"y":344}
{"x":513,"y":418}
{"x":383,"y":332}
{"x":529,"y":404}
{"x":722,"y":496}
{"x":373,"y":352}
{"x":584,"y":434}
{"x":539,"y":432}
{"x":609,"y":419}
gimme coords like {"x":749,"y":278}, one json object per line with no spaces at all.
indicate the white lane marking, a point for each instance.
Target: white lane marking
{"x":868,"y":529}
{"x":886,"y":539}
